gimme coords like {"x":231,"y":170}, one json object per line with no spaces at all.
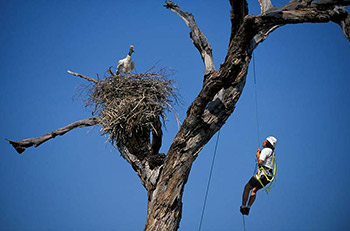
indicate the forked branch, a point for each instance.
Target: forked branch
{"x":198,"y":38}
{"x":21,"y":145}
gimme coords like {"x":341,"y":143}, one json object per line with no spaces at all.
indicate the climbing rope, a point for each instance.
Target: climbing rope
{"x":274,"y":175}
{"x":209,"y":180}
{"x":256,"y":102}
{"x":257,"y":122}
{"x":256,"y":111}
{"x":215,"y":151}
{"x":243,"y":223}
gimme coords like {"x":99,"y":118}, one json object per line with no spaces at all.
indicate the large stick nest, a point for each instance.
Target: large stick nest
{"x":131,"y":103}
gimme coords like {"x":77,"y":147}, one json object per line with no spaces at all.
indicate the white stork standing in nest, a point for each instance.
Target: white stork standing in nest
{"x":126,"y":65}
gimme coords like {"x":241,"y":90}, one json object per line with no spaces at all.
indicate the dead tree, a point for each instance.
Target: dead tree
{"x":164,"y":176}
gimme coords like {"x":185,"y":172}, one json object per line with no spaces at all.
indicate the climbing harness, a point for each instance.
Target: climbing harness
{"x":271,"y":180}
{"x":209,"y":180}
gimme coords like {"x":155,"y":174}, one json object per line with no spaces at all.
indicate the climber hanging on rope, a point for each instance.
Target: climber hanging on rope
{"x":266,"y":172}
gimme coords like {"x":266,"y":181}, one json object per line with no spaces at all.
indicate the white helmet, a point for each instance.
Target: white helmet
{"x":272,"y":140}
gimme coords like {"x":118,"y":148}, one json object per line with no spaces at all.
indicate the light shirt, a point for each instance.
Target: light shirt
{"x":266,"y":155}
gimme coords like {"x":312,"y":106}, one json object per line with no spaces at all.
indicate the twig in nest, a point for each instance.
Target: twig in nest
{"x":176,"y":115}
{"x":83,"y":76}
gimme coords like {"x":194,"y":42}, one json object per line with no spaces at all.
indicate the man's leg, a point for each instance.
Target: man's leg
{"x":245,"y":195}
{"x":252,"y":196}
{"x":243,"y":209}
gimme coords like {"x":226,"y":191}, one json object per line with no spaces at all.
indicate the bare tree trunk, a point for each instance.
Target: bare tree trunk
{"x":219,"y":95}
{"x":165,"y":202}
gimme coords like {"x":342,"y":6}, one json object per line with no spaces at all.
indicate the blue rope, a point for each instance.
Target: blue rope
{"x":256,"y":102}
{"x":211,"y":172}
{"x":216,"y":146}
{"x":243,"y":223}
{"x":256,"y":110}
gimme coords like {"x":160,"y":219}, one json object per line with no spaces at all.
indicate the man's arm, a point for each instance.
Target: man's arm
{"x":258,"y":157}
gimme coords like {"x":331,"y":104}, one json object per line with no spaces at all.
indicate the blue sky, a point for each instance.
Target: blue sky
{"x":80,"y":182}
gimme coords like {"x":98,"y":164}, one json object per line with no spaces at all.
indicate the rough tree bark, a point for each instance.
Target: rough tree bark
{"x":164,"y":176}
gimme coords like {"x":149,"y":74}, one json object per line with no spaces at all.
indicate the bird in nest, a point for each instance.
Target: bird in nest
{"x":126,"y":65}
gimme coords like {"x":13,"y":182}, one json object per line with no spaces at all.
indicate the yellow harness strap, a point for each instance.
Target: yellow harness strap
{"x":272,"y":179}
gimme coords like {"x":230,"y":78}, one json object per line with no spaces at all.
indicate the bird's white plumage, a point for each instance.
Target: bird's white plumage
{"x":126,"y":65}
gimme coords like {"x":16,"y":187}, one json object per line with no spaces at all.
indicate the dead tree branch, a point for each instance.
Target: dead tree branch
{"x":198,"y":38}
{"x":327,"y":3}
{"x":239,"y":9}
{"x":83,"y":76}
{"x":297,"y":12}
{"x":301,"y":16}
{"x":261,"y":36}
{"x":21,"y":145}
{"x":265,"y":5}
{"x":344,"y":24}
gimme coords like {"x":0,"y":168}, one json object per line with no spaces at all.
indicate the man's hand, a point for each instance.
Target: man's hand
{"x":258,"y":154}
